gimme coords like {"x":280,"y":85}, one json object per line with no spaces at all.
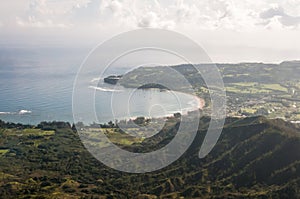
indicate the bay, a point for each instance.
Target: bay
{"x":30,"y":95}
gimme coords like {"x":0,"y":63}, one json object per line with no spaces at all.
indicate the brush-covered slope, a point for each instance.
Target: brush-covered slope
{"x":254,"y":158}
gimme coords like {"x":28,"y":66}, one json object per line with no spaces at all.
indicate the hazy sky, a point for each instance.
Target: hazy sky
{"x":229,"y":30}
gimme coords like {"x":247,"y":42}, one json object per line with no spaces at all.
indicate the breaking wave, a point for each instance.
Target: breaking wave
{"x":21,"y":112}
{"x":104,"y":89}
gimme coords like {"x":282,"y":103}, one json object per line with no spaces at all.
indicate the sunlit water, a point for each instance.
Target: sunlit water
{"x":30,"y":96}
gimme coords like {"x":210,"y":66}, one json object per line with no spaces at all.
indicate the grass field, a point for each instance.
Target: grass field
{"x":27,"y":132}
{"x":40,"y":136}
{"x":276,"y":87}
{"x":115,"y":137}
{"x":253,"y":88}
{"x":37,"y":132}
{"x":249,"y":110}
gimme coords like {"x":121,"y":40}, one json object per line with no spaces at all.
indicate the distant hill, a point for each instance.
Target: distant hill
{"x":254,"y":158}
{"x":294,"y":62}
{"x":252,"y":89}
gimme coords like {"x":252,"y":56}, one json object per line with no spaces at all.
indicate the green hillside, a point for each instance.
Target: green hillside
{"x":252,"y":89}
{"x":254,"y":158}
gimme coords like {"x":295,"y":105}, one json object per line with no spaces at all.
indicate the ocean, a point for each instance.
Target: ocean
{"x":30,"y":95}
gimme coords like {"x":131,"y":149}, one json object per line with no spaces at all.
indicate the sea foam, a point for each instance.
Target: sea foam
{"x":22,"y":112}
{"x":104,"y":89}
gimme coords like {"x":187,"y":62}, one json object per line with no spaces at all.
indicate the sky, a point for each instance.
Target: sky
{"x":228,"y":30}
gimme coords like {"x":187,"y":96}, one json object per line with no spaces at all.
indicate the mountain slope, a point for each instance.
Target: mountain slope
{"x":254,"y":158}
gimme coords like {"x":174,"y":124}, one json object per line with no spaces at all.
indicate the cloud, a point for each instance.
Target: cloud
{"x":31,"y":21}
{"x":278,"y":13}
{"x":152,"y":20}
{"x":274,"y":11}
{"x":47,"y":14}
{"x":39,"y":7}
{"x":85,"y":12}
{"x":204,"y":14}
{"x":225,"y":27}
{"x":115,"y":6}
{"x":290,"y":21}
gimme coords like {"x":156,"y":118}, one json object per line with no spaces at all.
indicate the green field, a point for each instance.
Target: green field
{"x":254,"y":88}
{"x":28,"y":132}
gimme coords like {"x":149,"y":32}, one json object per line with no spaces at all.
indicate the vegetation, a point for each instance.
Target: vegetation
{"x":254,"y":158}
{"x":273,"y":87}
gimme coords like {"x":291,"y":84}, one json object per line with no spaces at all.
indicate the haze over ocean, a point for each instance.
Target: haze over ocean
{"x":30,"y":95}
